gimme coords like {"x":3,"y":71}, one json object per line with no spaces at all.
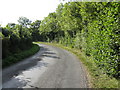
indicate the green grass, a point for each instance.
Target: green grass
{"x":14,"y":58}
{"x":96,"y":77}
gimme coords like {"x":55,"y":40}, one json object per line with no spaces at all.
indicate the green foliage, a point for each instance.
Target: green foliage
{"x":102,"y":21}
{"x":1,"y":35}
{"x":92,"y":27}
{"x":14,"y":58}
{"x":48,"y":27}
{"x":35,"y":30}
{"x":17,"y":41}
{"x":24,"y":21}
{"x":5,"y":47}
{"x":5,"y":32}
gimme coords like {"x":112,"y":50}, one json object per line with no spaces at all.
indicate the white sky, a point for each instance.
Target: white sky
{"x":11,"y":10}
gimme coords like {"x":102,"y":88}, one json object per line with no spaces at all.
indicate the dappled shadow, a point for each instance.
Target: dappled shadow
{"x":29,"y":63}
{"x":48,"y":53}
{"x":41,"y":64}
{"x":44,"y":49}
{"x":25,"y":76}
{"x":51,"y":56}
{"x":18,"y":70}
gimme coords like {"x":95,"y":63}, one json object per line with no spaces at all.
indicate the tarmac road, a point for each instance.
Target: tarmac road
{"x":51,"y":67}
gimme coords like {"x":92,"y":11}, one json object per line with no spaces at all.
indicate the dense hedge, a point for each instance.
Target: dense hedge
{"x":92,"y":27}
{"x":14,"y":58}
{"x":101,"y":33}
{"x":11,"y":46}
{"x":17,"y":38}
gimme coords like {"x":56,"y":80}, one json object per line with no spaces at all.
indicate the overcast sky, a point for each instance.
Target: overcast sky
{"x":11,"y":10}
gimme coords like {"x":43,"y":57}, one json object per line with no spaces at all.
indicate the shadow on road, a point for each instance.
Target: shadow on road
{"x":49,"y":53}
{"x":19,"y":69}
{"x":29,"y":63}
{"x":51,"y":56}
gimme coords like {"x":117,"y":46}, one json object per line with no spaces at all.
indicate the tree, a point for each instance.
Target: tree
{"x":35,"y":25}
{"x":5,"y":32}
{"x":35,"y":33}
{"x":10,"y":25}
{"x":49,"y":26}
{"x":24,"y":21}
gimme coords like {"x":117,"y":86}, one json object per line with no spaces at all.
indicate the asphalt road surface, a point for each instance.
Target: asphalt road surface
{"x":51,"y":67}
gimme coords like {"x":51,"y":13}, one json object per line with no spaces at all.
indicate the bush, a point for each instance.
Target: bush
{"x":14,"y":58}
{"x":5,"y":47}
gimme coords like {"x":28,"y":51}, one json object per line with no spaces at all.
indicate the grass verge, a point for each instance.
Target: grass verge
{"x":19,"y":56}
{"x":97,"y":78}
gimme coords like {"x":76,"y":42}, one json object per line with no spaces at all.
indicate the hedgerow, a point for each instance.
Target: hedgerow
{"x":17,"y":57}
{"x":92,"y":27}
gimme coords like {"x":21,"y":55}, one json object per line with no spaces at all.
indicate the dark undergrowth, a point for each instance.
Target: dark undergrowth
{"x":14,"y":58}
